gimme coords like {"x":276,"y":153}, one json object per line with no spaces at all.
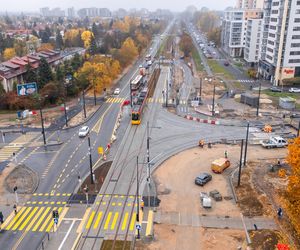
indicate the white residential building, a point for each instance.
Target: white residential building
{"x":280,"y":57}
{"x":250,"y":4}
{"x":253,"y":41}
{"x":234,"y":29}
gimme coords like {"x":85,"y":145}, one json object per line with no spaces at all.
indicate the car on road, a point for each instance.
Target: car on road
{"x":117,"y":91}
{"x":83,"y":131}
{"x":226,"y":63}
{"x":202,"y":179}
{"x":275,"y":89}
{"x":294,"y":90}
{"x":295,"y":115}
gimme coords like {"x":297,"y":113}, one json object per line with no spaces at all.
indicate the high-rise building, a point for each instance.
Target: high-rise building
{"x":56,"y":12}
{"x":71,"y":12}
{"x":280,"y":52}
{"x":234,"y":29}
{"x":250,"y":4}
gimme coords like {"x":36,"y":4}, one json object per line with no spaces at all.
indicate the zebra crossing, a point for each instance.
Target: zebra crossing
{"x":15,"y":146}
{"x":246,"y":81}
{"x":149,"y":100}
{"x":115,"y":220}
{"x":34,"y":219}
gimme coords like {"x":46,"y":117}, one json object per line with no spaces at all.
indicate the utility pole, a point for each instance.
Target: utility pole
{"x":246,"y":144}
{"x":91,"y":162}
{"x":200,"y":87}
{"x":259,"y":90}
{"x":42,"y":121}
{"x":130,"y":90}
{"x":83,"y":101}
{"x":240,"y":167}
{"x":213,"y":103}
{"x":137,"y":195}
{"x":95,"y":99}
{"x":167,"y":94}
{"x":298,"y":129}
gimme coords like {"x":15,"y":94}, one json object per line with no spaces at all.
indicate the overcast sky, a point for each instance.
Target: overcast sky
{"x":175,"y":5}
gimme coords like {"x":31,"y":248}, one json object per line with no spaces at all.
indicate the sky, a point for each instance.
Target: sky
{"x":174,"y":5}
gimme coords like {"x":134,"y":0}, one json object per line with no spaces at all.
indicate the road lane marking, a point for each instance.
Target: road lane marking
{"x":84,"y":218}
{"x":98,"y":220}
{"x":34,"y":219}
{"x":21,"y":218}
{"x":114,"y":221}
{"x":66,"y":236}
{"x":125,"y":221}
{"x":132,"y":222}
{"x":41,"y":219}
{"x":149,"y":223}
{"x":28,"y":218}
{"x":15,"y":218}
{"x":89,"y":223}
{"x":46,"y":221}
{"x":107,"y":220}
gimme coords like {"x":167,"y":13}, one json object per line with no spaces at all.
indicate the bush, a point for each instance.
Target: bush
{"x":292,"y":81}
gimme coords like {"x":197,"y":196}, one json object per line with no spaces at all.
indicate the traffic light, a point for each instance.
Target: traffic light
{"x":55,"y":214}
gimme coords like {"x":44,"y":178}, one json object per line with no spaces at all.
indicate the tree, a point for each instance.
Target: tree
{"x":44,"y":36}
{"x":30,"y":75}
{"x":53,"y":90}
{"x":186,"y":44}
{"x":44,"y":73}
{"x":95,"y":31}
{"x":9,"y":53}
{"x":20,"y":47}
{"x":34,"y":33}
{"x":293,"y":188}
{"x":86,"y":37}
{"x":93,"y":46}
{"x":215,"y":36}
{"x":127,"y":52}
{"x":60,"y":74}
{"x":59,"y":40}
{"x":76,"y":62}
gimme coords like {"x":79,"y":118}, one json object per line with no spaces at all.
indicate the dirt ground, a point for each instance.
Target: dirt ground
{"x":177,"y":192}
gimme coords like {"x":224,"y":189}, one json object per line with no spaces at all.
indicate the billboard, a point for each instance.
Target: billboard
{"x":26,"y":89}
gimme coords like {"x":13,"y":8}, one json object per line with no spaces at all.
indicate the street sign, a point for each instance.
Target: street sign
{"x":100,"y":150}
{"x":56,"y":220}
{"x":26,"y":89}
{"x":138,"y":226}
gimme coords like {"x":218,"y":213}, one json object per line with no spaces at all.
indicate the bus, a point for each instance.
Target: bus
{"x":136,"y":82}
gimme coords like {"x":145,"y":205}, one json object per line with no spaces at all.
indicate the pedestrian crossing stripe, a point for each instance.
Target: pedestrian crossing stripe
{"x":52,"y":194}
{"x":115,"y":100}
{"x":118,"y":195}
{"x":245,"y":80}
{"x":112,"y":219}
{"x":32,"y":219}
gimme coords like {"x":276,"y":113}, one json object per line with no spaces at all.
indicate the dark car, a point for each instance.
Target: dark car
{"x":275,"y":89}
{"x":295,"y":115}
{"x":202,"y":179}
{"x":226,"y":63}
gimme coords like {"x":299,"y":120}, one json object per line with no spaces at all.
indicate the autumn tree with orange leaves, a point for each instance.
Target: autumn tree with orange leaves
{"x":293,"y":188}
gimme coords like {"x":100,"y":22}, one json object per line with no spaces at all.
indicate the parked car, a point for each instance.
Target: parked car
{"x":294,"y":90}
{"x":202,"y":179}
{"x":117,"y":91}
{"x":274,"y":142}
{"x":295,"y":115}
{"x":83,"y":131}
{"x":226,"y":63}
{"x":275,"y":89}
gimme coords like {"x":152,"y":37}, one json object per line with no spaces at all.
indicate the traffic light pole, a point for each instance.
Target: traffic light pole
{"x":43,"y":128}
{"x":83,"y":101}
{"x":91,"y":162}
{"x":137,"y":195}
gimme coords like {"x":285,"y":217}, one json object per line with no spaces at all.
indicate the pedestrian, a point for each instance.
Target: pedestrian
{"x":255,"y":227}
{"x":226,"y":154}
{"x":227,"y":93}
{"x":278,"y":162}
{"x":15,"y":209}
{"x":142,"y":205}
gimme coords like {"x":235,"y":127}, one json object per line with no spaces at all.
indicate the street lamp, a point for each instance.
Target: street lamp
{"x":83,"y":101}
{"x":258,"y":101}
{"x":200,"y":88}
{"x":91,"y":161}
{"x":42,"y":119}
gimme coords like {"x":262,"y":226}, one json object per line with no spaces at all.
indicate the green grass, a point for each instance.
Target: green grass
{"x":218,"y":69}
{"x":239,"y":85}
{"x":197,"y":60}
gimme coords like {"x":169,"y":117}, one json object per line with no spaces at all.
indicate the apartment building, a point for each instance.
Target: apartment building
{"x":253,"y":41}
{"x":94,"y":12}
{"x":280,"y":52}
{"x":250,"y":4}
{"x":234,"y":30}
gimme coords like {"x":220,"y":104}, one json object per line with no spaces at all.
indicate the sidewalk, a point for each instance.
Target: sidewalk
{"x":195,"y":220}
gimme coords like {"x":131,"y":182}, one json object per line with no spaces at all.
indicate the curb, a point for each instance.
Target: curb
{"x":208,"y":121}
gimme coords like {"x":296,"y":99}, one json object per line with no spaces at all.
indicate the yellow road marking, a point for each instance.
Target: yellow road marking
{"x":141,"y":215}
{"x":150,"y":223}
{"x":52,"y":222}
{"x":28,"y":218}
{"x":8,"y":219}
{"x":34,"y":219}
{"x":107,"y":220}
{"x":80,"y":227}
{"x":132,"y":222}
{"x":46,"y":221}
{"x":114,"y":221}
{"x":125,"y":221}
{"x":15,"y":218}
{"x":98,"y":220}
{"x":89,"y":223}
{"x":21,"y":218}
{"x":41,"y":219}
